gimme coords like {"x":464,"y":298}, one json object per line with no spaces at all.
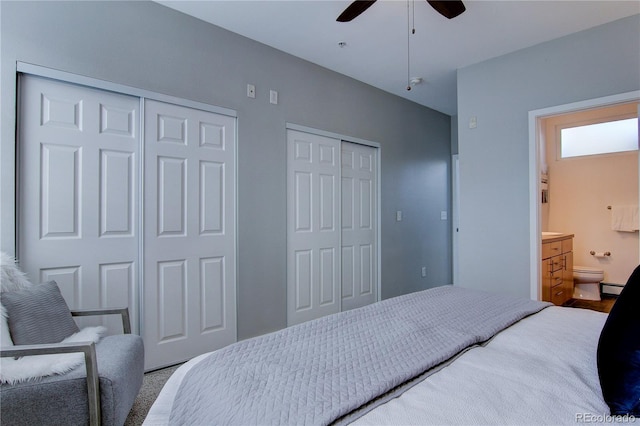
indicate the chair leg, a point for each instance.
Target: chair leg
{"x":93,"y":385}
{"x":90,"y":362}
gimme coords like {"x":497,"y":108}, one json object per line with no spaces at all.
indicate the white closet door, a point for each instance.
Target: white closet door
{"x":190,"y":255}
{"x":359,"y":226}
{"x":313,"y":226}
{"x":77,"y":153}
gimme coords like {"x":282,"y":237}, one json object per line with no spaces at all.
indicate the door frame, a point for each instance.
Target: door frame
{"x":359,"y":141}
{"x":142,"y":94}
{"x":535,"y":118}
{"x":67,"y":77}
{"x":455,"y":216}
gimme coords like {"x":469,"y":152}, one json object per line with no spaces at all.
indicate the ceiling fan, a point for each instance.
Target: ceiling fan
{"x":447,"y":8}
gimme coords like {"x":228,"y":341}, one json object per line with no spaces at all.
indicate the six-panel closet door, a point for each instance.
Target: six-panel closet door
{"x":313,"y":226}
{"x":359,"y":247}
{"x":77,"y":193}
{"x":189,"y":242}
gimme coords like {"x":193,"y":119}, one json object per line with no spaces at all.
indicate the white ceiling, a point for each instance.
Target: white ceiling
{"x":376,"y":41}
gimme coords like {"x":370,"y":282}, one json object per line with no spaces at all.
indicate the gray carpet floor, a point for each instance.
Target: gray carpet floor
{"x":151,"y":386}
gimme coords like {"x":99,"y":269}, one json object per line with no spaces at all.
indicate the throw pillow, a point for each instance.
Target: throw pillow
{"x":11,"y":279}
{"x":38,"y":315}
{"x":5,"y":334}
{"x":619,"y":351}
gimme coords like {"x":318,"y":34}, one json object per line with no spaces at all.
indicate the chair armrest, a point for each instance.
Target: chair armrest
{"x":126,"y":322}
{"x":90,"y":362}
{"x":45,"y":349}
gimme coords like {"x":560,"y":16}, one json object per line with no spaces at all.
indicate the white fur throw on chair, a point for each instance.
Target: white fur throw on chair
{"x":36,"y":366}
{"x":33,"y":367}
{"x":11,"y":278}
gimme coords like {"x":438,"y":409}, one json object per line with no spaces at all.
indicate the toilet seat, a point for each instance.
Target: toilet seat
{"x":587,"y":270}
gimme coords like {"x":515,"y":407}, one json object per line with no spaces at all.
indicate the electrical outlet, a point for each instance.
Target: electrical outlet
{"x":273,"y":97}
{"x":398,"y":216}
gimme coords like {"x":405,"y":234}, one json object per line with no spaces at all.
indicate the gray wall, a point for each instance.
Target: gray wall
{"x":494,"y":157}
{"x":151,"y":47}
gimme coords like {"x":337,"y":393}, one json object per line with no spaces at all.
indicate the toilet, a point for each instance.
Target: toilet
{"x":587,"y":282}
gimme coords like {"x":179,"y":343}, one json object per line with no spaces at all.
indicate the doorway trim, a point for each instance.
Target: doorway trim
{"x":455,"y":215}
{"x":81,"y":80}
{"x":535,"y":117}
{"x":291,"y":126}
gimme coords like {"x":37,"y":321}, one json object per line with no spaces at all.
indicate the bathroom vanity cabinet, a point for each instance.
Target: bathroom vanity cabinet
{"x":557,"y":268}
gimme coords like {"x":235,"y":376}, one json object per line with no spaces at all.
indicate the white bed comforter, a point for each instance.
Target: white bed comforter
{"x":542,"y":370}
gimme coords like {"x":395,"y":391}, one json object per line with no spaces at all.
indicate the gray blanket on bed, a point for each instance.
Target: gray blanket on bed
{"x":321,"y":370}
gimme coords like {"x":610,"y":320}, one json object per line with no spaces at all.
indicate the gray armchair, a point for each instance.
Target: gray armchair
{"x":100,"y":392}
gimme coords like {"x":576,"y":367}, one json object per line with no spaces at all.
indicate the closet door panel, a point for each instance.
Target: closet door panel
{"x":212,"y":287}
{"x":117,"y":193}
{"x":77,"y":172}
{"x":359,"y":225}
{"x":212,"y":187}
{"x":313,"y":227}
{"x":189,"y":245}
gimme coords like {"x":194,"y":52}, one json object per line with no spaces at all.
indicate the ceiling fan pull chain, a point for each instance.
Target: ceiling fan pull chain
{"x":408,"y":48}
{"x":413,"y":17}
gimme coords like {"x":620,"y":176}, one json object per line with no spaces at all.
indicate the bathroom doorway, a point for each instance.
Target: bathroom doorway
{"x":582,"y":187}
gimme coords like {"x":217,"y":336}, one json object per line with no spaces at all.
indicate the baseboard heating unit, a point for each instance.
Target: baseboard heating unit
{"x":609,"y":288}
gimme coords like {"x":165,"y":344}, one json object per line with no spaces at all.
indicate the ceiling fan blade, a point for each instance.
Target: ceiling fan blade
{"x":448,"y":8}
{"x":355,"y":9}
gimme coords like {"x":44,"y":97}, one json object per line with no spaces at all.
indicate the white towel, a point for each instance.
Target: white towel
{"x":624,"y":218}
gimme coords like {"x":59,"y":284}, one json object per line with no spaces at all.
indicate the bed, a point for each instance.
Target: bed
{"x":537,"y":366}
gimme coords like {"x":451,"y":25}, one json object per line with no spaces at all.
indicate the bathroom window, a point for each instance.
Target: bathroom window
{"x":599,"y":138}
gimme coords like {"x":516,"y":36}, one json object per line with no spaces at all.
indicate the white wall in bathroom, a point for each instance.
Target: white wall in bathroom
{"x":580,"y":189}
